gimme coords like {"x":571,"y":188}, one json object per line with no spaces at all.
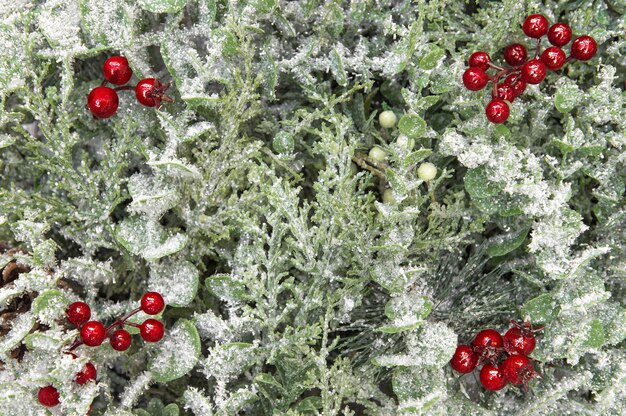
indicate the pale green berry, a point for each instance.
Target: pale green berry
{"x":427,"y":171}
{"x":388,"y":197}
{"x":283,"y":142}
{"x":405,"y":143}
{"x":387,"y":119}
{"x":377,"y":154}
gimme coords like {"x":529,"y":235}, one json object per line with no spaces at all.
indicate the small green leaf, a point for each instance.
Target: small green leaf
{"x":482,"y":191}
{"x":178,"y":353}
{"x":226,"y":288}
{"x":177,"y":281}
{"x":567,"y":97}
{"x":595,"y":336}
{"x":337,"y":68}
{"x":416,"y":157}
{"x":502,"y":245}
{"x":425,"y":102}
{"x":309,"y":404}
{"x":50,"y":303}
{"x":395,"y":182}
{"x":162,"y":6}
{"x":265,"y":378}
{"x":393,"y":329}
{"x":430,"y":60}
{"x":412,"y":126}
{"x":541,"y":309}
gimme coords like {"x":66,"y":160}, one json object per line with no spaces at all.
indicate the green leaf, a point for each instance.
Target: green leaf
{"x":412,"y":125}
{"x":425,"y":102}
{"x":541,"y":309}
{"x":416,"y":157}
{"x":337,"y":68}
{"x":431,"y":58}
{"x":49,"y":302}
{"x":162,"y":6}
{"x":482,"y":191}
{"x":396,"y":183}
{"x":310,"y":404}
{"x":226,"y":288}
{"x":177,"y":281}
{"x":595,"y":336}
{"x":178,"y":353}
{"x":567,"y":97}
{"x":502,"y":245}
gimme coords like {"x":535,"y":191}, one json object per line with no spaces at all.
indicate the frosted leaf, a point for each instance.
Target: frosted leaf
{"x":151,"y":195}
{"x":21,"y":326}
{"x":29,"y":231}
{"x":175,"y":167}
{"x":49,"y":306}
{"x":421,"y":351}
{"x":226,"y":361}
{"x":177,"y":353}
{"x":162,"y":6}
{"x":419,"y":390}
{"x":110,"y":23}
{"x":177,"y":281}
{"x":197,"y":402}
{"x":146,"y":237}
{"x":406,"y":312}
{"x":6,"y":140}
{"x":12,"y":57}
{"x":59,"y":21}
{"x":567,"y":96}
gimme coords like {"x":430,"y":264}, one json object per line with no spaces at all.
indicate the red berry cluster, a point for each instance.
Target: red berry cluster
{"x":505,"y":358}
{"x":103,"y":101}
{"x":522,"y":70}
{"x":93,"y":333}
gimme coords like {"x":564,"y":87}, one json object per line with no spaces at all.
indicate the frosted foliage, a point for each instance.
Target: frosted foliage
{"x":12,"y":58}
{"x":176,"y":280}
{"x":151,"y":195}
{"x":20,"y":327}
{"x":108,"y":22}
{"x":470,"y":155}
{"x":60,"y":23}
{"x":432,"y":346}
{"x":198,"y":403}
{"x":177,"y":353}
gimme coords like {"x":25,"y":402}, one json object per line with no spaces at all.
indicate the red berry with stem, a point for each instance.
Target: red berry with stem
{"x":152,"y":303}
{"x":464,"y":359}
{"x":78,"y":313}
{"x":86,"y":374}
{"x":518,"y":369}
{"x":120,"y":340}
{"x":515,"y":54}
{"x":559,"y":34}
{"x":521,"y":338}
{"x":535,"y":26}
{"x":533,"y":71}
{"x":505,"y":92}
{"x":497,"y":111}
{"x":518,"y":84}
{"x":488,"y":342}
{"x":492,"y":377}
{"x":151,"y":330}
{"x":584,"y":48}
{"x":480,"y":60}
{"x":553,"y":58}
{"x":116,"y":70}
{"x":102,"y":102}
{"x":150,"y":92}
{"x":48,"y":396}
{"x":93,"y":333}
{"x":475,"y":79}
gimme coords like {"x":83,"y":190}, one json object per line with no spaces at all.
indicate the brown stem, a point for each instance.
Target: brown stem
{"x":119,"y":321}
{"x":494,"y":66}
{"x":498,"y":75}
{"x":538,"y":48}
{"x":125,"y":88}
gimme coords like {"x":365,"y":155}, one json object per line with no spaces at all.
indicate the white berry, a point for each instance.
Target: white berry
{"x":427,"y":171}
{"x":388,"y":197}
{"x":377,"y":154}
{"x":387,"y":119}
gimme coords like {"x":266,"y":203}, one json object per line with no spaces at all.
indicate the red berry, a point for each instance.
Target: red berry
{"x":584,"y":48}
{"x":152,"y":303}
{"x":505,"y":92}
{"x":533,"y":71}
{"x":150,"y":92}
{"x":93,"y":333}
{"x":559,"y":34}
{"x":515,"y":54}
{"x":464,"y":359}
{"x":120,"y":340}
{"x":151,"y":330}
{"x":102,"y":102}
{"x":497,"y":112}
{"x":117,"y":71}
{"x":48,"y":396}
{"x":480,"y":60}
{"x":518,"y":369}
{"x":492,"y":377}
{"x":518,"y":84}
{"x":475,"y":79}
{"x":488,"y":342}
{"x":78,"y":313}
{"x":553,"y":58}
{"x":535,"y":26}
{"x":88,"y":373}
{"x":517,"y":342}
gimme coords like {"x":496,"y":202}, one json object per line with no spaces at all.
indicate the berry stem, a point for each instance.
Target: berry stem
{"x":125,"y":88}
{"x":499,"y":75}
{"x":538,"y":48}
{"x":118,"y":322}
{"x":494,"y":66}
{"x":132,"y":324}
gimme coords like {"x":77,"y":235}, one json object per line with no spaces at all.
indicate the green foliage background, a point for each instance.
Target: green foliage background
{"x":252,"y":205}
